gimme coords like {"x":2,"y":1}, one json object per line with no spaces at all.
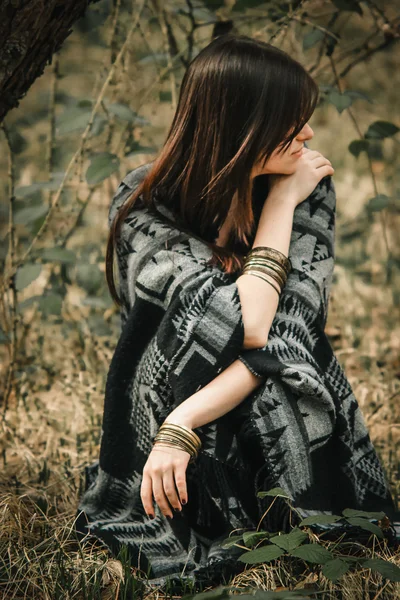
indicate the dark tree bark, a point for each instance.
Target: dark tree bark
{"x":31,"y":31}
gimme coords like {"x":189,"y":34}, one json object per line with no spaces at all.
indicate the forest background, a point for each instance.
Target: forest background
{"x":101,"y":108}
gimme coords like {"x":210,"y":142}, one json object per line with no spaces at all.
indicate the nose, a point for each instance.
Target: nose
{"x":306,"y":133}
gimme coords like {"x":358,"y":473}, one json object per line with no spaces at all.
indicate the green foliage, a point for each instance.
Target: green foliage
{"x":26,"y":274}
{"x":278,"y":492}
{"x":297,"y":544}
{"x":358,"y":146}
{"x":62,"y":255}
{"x":76,"y":118}
{"x":335,"y":568}
{"x":320,"y":519}
{"x":380,"y":130}
{"x":261,"y":555}
{"x":384,"y":567}
{"x":377,"y":203}
{"x":313,"y":553}
{"x":290,"y":541}
{"x":312,"y":38}
{"x":102,"y":165}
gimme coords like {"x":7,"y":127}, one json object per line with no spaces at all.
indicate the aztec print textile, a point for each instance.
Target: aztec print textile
{"x":301,"y":429}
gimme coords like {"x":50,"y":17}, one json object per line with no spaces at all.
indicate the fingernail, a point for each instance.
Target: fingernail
{"x":151,"y":516}
{"x":177,"y":509}
{"x":169,"y":516}
{"x":183,"y":502}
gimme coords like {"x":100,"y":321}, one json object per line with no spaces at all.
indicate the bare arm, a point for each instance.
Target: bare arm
{"x":258,"y":299}
{"x":259,"y":305}
{"x":220,"y":396}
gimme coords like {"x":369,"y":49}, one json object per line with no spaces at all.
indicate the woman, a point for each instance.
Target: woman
{"x":225,"y":248}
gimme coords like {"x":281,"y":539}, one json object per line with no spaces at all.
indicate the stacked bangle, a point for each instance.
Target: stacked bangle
{"x":178,"y":436}
{"x":265,"y":262}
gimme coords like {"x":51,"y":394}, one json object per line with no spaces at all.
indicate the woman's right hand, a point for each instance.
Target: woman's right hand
{"x":312,"y":166}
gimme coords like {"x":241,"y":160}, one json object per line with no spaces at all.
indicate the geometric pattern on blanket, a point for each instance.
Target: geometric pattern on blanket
{"x":301,"y":429}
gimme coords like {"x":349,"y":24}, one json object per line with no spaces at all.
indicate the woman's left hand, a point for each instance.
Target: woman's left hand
{"x":164,"y":477}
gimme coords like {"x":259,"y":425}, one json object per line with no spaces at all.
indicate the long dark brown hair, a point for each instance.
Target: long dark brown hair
{"x":240,"y":99}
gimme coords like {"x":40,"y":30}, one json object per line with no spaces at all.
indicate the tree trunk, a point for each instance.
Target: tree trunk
{"x":31,"y":31}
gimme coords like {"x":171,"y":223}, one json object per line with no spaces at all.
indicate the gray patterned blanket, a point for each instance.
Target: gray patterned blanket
{"x":301,"y":429}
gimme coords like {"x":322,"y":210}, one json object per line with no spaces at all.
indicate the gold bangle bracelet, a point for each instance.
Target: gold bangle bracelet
{"x":270,"y":261}
{"x":177,"y":440}
{"x":179,"y":436}
{"x":272,"y":253}
{"x":277,"y":274}
{"x":186,"y":429}
{"x":257,"y":274}
{"x":175,"y":444}
{"x":266,"y":272}
{"x":182,"y":432}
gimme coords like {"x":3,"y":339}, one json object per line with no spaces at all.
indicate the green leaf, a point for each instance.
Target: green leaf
{"x":77,"y":118}
{"x":125,"y":113}
{"x":380,"y":130}
{"x":26,"y":274}
{"x":160,"y":58}
{"x":25,"y":191}
{"x":135,"y":149}
{"x":231,"y":541}
{"x":3,"y":337}
{"x":50,"y":304}
{"x":351,"y":512}
{"x":30,"y":214}
{"x":367,"y":525}
{"x":352,"y":5}
{"x":289,"y":541}
{"x":101,"y":166}
{"x":89,"y":277}
{"x":384,"y":567}
{"x":312,"y":38}
{"x":378,"y":203}
{"x":313,"y":553}
{"x":355,"y":94}
{"x":319,"y":519}
{"x":58,"y":254}
{"x":341,"y":101}
{"x":165,"y":96}
{"x":221,"y":591}
{"x":250,"y":538}
{"x":274,"y":492}
{"x":122,"y":111}
{"x":261,"y":555}
{"x":358,"y":146}
{"x":334,"y":569}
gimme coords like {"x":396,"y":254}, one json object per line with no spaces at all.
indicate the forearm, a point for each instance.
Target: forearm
{"x":258,"y":299}
{"x":217,"y":398}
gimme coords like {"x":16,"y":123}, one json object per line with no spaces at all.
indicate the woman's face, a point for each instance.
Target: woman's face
{"x":285,"y":162}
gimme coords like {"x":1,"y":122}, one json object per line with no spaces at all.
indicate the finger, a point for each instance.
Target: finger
{"x":170,"y":490}
{"x":159,"y":495}
{"x":319,"y":161}
{"x":180,"y":482}
{"x":146,"y":494}
{"x":326,"y":170}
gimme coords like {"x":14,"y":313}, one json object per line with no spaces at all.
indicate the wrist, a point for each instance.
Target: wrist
{"x":281,"y":199}
{"x":177,"y":419}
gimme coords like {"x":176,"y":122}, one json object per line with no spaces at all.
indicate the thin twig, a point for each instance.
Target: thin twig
{"x":78,"y":152}
{"x":374,"y":183}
